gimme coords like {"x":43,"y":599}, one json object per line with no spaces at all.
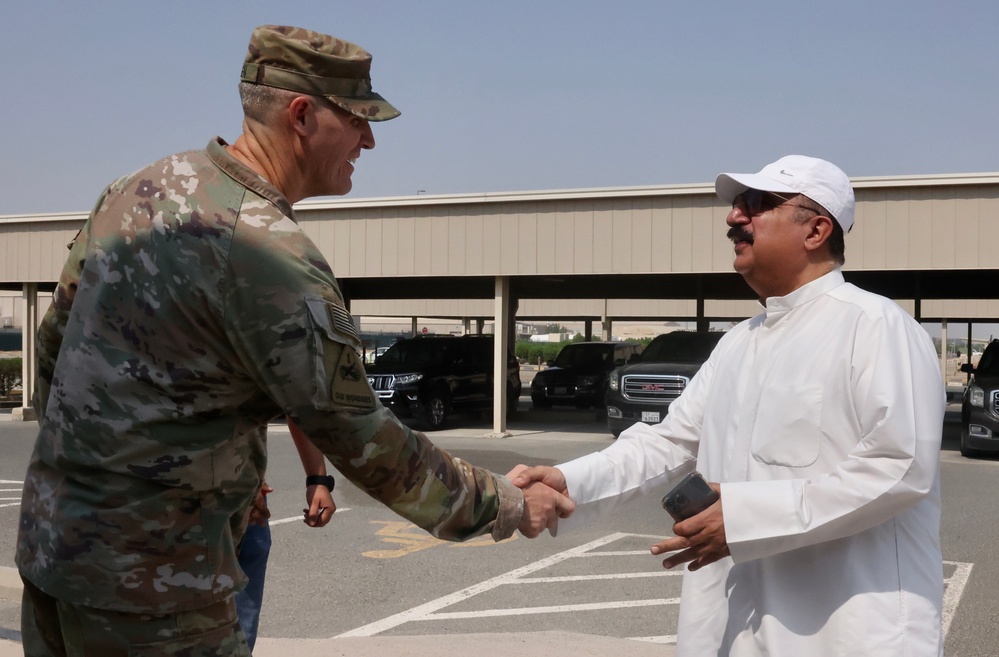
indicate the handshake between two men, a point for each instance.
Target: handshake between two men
{"x":699,"y":539}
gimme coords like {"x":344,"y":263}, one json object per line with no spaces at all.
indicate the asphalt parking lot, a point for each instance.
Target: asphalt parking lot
{"x":375,"y":585}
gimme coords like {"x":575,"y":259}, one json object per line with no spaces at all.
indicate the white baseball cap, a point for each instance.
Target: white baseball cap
{"x":823,"y":182}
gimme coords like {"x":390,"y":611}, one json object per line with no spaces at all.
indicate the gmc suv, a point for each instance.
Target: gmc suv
{"x":578,"y":375}
{"x":980,"y":405}
{"x":428,"y":378}
{"x":642,"y":391}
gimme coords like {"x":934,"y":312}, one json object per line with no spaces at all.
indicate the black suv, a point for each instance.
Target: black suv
{"x":643,"y":390}
{"x":980,"y":405}
{"x":428,"y":378}
{"x":578,"y":375}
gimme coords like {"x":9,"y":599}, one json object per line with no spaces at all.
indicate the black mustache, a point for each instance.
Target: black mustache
{"x":739,"y":234}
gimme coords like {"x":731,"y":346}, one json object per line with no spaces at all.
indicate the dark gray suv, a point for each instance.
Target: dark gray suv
{"x":642,"y":391}
{"x":980,"y":405}
{"x":578,"y":375}
{"x":429,"y":378}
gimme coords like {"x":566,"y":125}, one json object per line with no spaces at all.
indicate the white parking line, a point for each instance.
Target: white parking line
{"x":8,"y":502}
{"x":667,"y":638}
{"x":299,"y":518}
{"x":953,"y":590}
{"x":426,"y":611}
{"x":585,"y":578}
{"x":431,"y":611}
{"x":554,"y":609}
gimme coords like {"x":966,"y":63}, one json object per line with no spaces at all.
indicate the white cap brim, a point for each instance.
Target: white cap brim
{"x":730,"y":185}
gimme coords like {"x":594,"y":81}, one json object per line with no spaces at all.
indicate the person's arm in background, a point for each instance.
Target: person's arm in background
{"x":318,"y":497}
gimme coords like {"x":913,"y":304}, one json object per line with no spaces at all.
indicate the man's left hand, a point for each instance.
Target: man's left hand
{"x":701,"y":538}
{"x":259,"y":513}
{"x":321,"y":506}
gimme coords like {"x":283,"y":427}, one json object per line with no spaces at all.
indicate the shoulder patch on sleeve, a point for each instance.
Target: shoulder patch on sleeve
{"x":334,"y":319}
{"x":343,"y":321}
{"x":350,"y":383}
{"x":341,"y":382}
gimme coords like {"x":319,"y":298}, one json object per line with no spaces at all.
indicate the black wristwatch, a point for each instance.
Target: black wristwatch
{"x":320,"y":480}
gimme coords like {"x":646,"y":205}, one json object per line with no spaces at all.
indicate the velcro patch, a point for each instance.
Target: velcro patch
{"x":334,"y":320}
{"x":350,"y":383}
{"x":342,"y":321}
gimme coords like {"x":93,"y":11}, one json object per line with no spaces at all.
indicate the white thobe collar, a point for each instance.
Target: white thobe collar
{"x":777,"y":307}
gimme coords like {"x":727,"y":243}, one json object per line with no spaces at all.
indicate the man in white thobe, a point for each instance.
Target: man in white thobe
{"x":821,"y":418}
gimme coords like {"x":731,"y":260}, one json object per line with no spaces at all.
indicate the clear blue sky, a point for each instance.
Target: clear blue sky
{"x":514,"y":95}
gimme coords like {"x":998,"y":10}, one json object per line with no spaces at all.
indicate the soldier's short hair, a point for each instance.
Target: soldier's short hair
{"x":261,"y":103}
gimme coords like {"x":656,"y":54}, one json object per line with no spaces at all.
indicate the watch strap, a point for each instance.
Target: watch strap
{"x":320,"y":480}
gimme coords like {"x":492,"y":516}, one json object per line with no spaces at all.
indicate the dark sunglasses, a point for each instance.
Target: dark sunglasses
{"x":754,"y":201}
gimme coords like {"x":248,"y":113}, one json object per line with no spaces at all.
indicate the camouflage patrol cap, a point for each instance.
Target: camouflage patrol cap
{"x":316,"y":64}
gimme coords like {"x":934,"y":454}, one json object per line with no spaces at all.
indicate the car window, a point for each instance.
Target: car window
{"x":417,"y":353}
{"x":989,"y":363}
{"x":480,"y":352}
{"x":681,"y":347}
{"x":576,"y":355}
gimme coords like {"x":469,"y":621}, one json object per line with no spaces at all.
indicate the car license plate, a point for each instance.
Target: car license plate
{"x":560,"y":391}
{"x":650,"y":416}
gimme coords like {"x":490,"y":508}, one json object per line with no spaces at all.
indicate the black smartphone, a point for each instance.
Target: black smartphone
{"x":689,"y":497}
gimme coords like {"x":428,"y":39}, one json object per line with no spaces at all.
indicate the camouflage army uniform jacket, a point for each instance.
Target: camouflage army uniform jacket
{"x":192,"y":310}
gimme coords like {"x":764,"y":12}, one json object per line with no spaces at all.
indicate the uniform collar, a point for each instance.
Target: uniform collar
{"x":246,"y":176}
{"x":777,"y":307}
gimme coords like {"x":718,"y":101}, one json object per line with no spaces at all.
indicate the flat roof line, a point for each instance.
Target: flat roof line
{"x":869,"y":182}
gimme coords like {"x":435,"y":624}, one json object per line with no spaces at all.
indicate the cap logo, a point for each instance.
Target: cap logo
{"x":785,"y":173}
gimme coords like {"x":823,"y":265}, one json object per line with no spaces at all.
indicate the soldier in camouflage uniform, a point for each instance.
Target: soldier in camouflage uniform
{"x":192,"y":310}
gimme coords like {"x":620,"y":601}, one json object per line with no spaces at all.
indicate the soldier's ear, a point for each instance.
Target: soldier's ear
{"x":301,"y":115}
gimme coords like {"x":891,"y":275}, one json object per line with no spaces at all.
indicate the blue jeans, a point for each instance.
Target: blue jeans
{"x":253,"y":553}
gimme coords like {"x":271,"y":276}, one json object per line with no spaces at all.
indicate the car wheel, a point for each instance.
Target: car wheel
{"x":436,"y":409}
{"x":966,"y":451}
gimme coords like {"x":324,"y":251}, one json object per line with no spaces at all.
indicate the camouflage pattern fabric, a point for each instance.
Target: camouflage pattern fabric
{"x":48,"y":625}
{"x":192,"y":310}
{"x":316,"y":64}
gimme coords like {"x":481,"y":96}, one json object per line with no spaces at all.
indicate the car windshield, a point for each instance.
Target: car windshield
{"x":415,"y":354}
{"x":582,"y":355}
{"x":681,"y":347}
{"x":989,"y":363}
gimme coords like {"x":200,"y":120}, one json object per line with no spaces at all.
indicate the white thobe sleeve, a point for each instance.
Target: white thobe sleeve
{"x":644,"y":456}
{"x":898,"y":397}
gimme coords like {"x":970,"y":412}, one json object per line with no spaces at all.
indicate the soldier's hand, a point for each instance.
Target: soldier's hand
{"x":523,"y":475}
{"x":259,"y":513}
{"x":543,"y":506}
{"x":321,"y":506}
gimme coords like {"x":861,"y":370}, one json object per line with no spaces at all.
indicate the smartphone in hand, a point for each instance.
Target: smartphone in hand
{"x":689,"y":497}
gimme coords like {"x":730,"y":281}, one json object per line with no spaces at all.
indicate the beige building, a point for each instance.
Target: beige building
{"x":596,"y":256}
